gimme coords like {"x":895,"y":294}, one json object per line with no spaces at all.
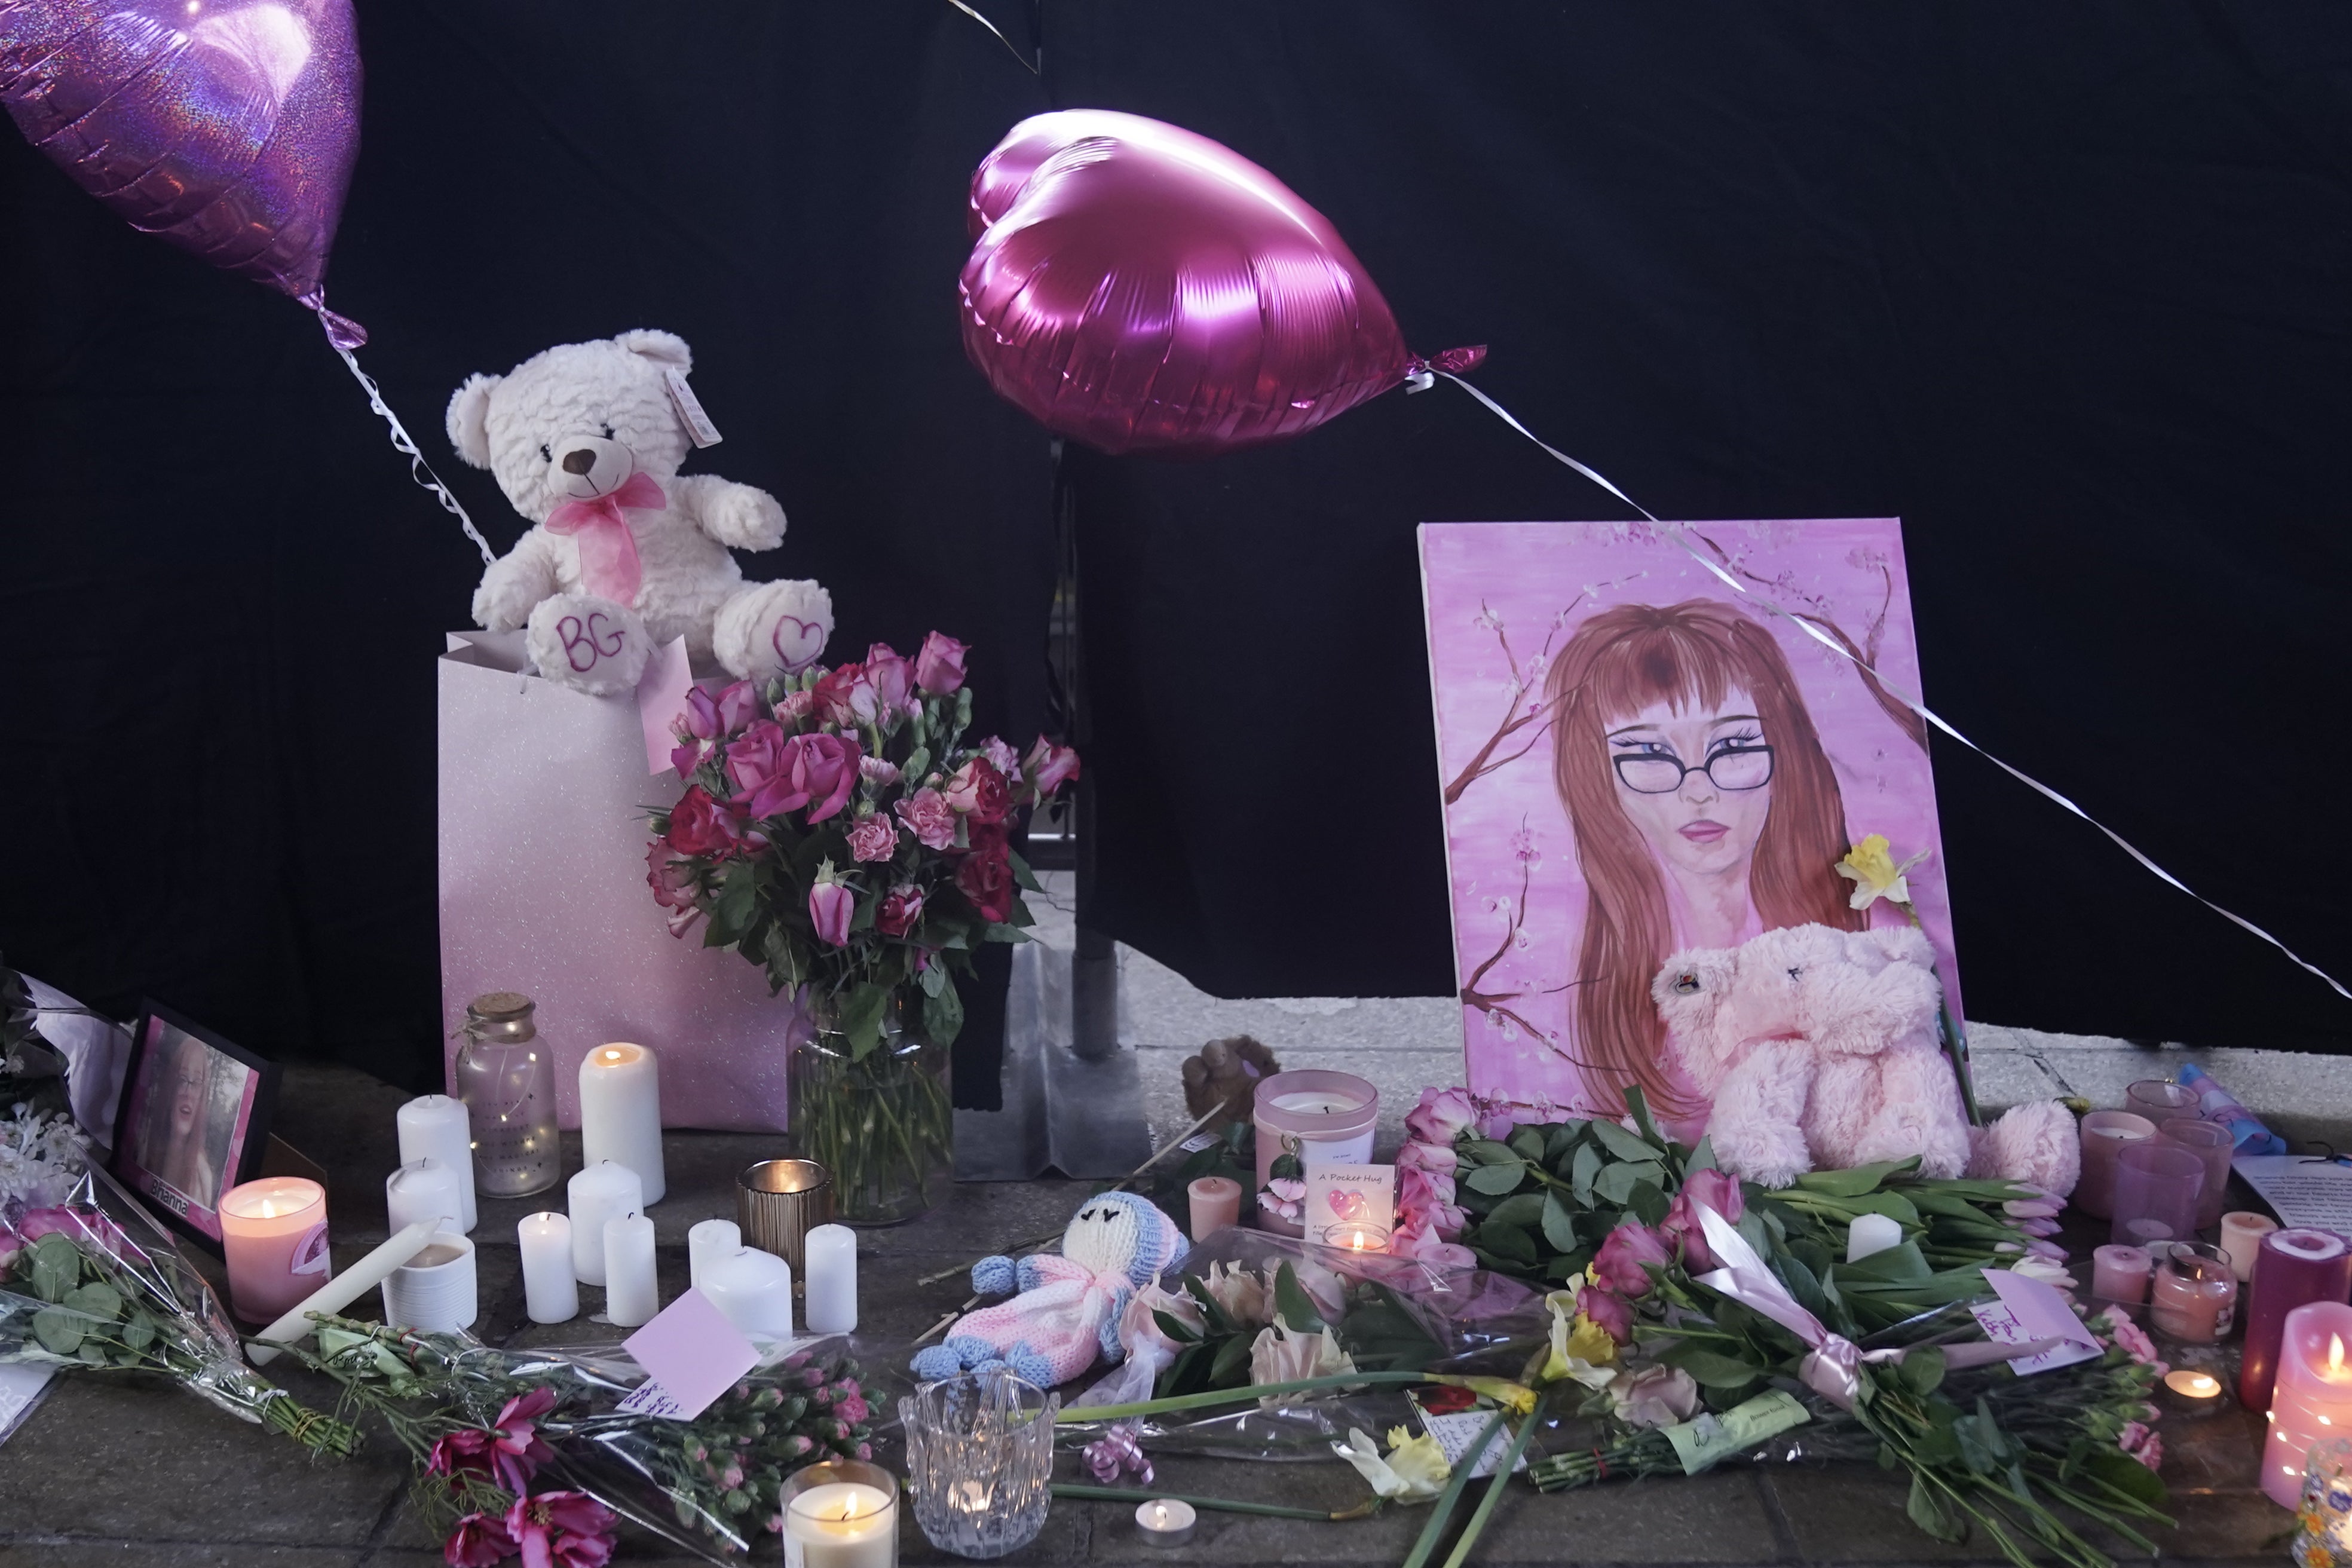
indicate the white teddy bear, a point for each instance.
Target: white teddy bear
{"x":586,"y":440}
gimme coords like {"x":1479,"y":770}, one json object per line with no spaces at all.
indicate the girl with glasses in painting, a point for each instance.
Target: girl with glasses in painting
{"x":1704,"y":811}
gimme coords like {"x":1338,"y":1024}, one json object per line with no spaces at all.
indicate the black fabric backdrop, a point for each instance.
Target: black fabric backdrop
{"x":2063,"y":288}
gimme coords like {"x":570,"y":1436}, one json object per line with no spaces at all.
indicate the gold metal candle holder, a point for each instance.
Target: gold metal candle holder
{"x":778,"y":1202}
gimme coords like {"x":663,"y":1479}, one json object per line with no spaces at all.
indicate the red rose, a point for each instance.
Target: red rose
{"x":835,"y":694}
{"x":986,"y":877}
{"x":980,"y":791}
{"x":902,"y":906}
{"x":699,"y":824}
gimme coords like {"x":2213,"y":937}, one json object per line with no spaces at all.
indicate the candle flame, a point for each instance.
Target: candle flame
{"x":613,"y":1056}
{"x":2335,"y":1355}
{"x":1357,"y":1241}
{"x":849,"y":1508}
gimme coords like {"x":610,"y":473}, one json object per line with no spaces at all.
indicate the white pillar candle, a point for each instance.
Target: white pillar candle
{"x":620,"y":1113}
{"x":426,"y":1189}
{"x":341,"y":1290}
{"x":831,"y":1262}
{"x":842,"y":1524}
{"x":1870,"y":1233}
{"x":435,"y":1128}
{"x":437,"y":1290}
{"x":550,"y":1294}
{"x":594,"y":1195}
{"x":632,"y":1295}
{"x":711,"y":1238}
{"x":753,"y":1290}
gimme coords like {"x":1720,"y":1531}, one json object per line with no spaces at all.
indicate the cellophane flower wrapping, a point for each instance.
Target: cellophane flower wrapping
{"x":1384,"y":1312}
{"x":95,"y":1282}
{"x":707,"y":1485}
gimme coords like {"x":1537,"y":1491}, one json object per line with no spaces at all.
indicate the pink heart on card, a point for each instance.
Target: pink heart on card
{"x":1348,"y":1206}
{"x":797,"y":642}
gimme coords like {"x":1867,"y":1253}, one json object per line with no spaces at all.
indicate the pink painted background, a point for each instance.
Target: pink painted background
{"x":1532,"y":584}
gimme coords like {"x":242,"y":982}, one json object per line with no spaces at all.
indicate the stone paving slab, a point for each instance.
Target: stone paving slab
{"x":149,"y":1475}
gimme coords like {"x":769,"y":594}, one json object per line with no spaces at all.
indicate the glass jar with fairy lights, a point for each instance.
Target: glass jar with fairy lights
{"x":505,"y":1076}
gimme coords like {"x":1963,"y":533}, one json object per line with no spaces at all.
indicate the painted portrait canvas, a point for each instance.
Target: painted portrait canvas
{"x":1638,"y":760}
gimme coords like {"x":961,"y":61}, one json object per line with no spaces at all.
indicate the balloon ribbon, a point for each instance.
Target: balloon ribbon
{"x":1674,"y":531}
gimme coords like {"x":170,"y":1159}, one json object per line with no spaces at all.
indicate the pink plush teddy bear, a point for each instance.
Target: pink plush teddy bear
{"x":1818,"y":1049}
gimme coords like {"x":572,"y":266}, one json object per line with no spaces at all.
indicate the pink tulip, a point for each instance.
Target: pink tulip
{"x":939,"y":669}
{"x":831,"y":905}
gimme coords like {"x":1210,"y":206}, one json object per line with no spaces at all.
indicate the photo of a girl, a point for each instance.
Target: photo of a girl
{"x":190,"y":1122}
{"x":1638,"y":760}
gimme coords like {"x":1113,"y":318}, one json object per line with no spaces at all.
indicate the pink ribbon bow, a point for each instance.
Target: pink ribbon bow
{"x":609,"y":567}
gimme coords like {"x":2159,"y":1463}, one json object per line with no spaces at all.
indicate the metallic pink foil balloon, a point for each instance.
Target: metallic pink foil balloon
{"x":1146,"y":290}
{"x":229,"y":127}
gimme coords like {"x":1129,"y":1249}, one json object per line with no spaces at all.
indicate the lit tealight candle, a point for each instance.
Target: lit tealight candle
{"x":1357,"y":1238}
{"x":2313,"y":1398}
{"x":1165,"y":1520}
{"x":2191,"y":1393}
{"x":620,"y":1113}
{"x":274,"y":1232}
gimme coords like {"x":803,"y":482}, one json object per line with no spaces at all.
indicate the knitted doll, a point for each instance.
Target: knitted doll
{"x":1068,"y":1310}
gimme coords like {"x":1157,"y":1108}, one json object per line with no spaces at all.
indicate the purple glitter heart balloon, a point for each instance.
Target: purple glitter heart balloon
{"x":228,"y":128}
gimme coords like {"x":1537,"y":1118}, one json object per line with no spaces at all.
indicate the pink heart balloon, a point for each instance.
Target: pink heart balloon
{"x":228,"y":128}
{"x":1143,"y":288}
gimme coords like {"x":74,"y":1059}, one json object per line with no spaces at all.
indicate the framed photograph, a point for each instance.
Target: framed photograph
{"x":1637,"y":760}
{"x":193,"y":1122}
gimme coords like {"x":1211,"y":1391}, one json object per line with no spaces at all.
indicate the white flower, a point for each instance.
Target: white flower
{"x":40,"y":1156}
{"x":1414,"y":1471}
{"x":1278,"y":1355}
{"x":2049,"y":1270}
{"x":1243,"y":1293}
{"x":1653,"y":1397}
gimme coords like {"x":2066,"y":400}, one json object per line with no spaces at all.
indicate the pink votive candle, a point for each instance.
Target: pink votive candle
{"x":2313,"y":1398}
{"x":1217,"y":1205}
{"x":274,"y":1232}
{"x":2105,"y":1134}
{"x":2119,"y":1273}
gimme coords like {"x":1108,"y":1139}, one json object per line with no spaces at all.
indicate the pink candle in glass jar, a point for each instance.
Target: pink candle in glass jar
{"x":2195,"y":1297}
{"x":2105,"y":1134}
{"x":1314,"y":1116}
{"x":274,"y":1232}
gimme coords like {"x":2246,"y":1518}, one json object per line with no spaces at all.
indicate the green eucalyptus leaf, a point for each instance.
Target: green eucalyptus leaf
{"x":1582,"y":1173}
{"x":1524,"y":1210}
{"x":100,"y":1301}
{"x":1620,"y":1143}
{"x":59,"y":1331}
{"x":140,"y":1333}
{"x":91,"y":1353}
{"x":56,"y":1266}
{"x":1558,"y":1224}
{"x":1493,"y":1180}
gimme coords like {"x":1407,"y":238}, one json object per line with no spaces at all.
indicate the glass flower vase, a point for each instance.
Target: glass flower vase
{"x":883,"y":1124}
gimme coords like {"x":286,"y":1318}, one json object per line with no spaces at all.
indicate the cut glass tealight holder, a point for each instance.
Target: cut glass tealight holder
{"x":980,"y":1455}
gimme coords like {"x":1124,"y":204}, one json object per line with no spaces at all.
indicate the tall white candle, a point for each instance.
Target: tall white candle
{"x":753,"y":1290}
{"x":831,"y":1262}
{"x":342,"y":1291}
{"x":594,"y":1195}
{"x":426,"y":1189}
{"x":1870,"y":1233}
{"x":435,"y":1128}
{"x":620,"y":1113}
{"x":711,"y":1238}
{"x":632,"y":1296}
{"x":550,"y":1295}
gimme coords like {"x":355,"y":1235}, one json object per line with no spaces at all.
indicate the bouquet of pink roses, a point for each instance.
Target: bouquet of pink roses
{"x":839,"y":830}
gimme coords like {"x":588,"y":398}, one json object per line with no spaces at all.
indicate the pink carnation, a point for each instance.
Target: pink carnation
{"x":875,"y":837}
{"x":930,"y":817}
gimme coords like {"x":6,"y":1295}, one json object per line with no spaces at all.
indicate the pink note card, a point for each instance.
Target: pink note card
{"x":691,"y":1354}
{"x":661,"y":698}
{"x":2031,"y":1311}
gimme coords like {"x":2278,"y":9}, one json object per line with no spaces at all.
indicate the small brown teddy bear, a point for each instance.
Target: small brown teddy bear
{"x":1227,"y":1071}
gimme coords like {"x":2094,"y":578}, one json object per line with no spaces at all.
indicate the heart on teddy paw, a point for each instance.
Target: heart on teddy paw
{"x":797,"y":642}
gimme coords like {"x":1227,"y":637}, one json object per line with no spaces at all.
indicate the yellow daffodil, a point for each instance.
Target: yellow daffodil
{"x":1871,"y":866}
{"x":1581,"y":1348}
{"x":1419,"y":1460}
{"x":1412,"y":1480}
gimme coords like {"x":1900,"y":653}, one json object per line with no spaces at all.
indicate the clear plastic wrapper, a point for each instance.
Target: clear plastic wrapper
{"x":1384,"y":1312}
{"x":96,"y":1283}
{"x":707,"y":1485}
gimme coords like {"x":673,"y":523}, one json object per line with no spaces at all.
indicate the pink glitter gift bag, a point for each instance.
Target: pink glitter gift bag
{"x":544,"y":797}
